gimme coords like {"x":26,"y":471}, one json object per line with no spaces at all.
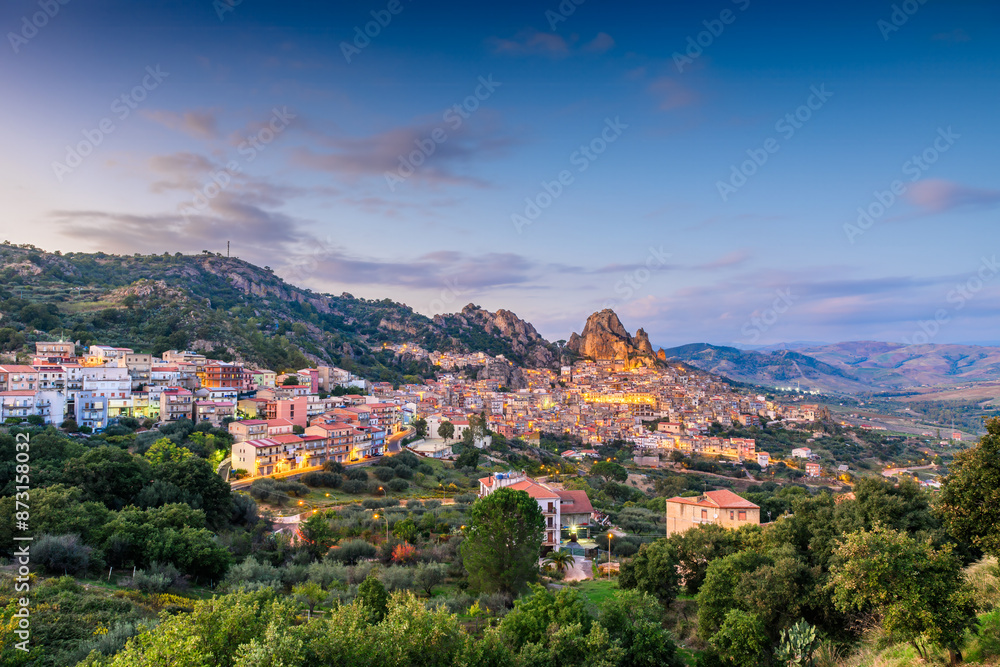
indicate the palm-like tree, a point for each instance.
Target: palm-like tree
{"x":560,"y":560}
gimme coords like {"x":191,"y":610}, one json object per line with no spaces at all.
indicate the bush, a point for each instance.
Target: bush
{"x":383,"y":473}
{"x":398,"y":485}
{"x":432,"y":504}
{"x":293,"y":488}
{"x":330,"y":480}
{"x":352,"y":551}
{"x":358,"y":474}
{"x":61,"y":554}
{"x":413,"y":504}
{"x":355,"y":486}
{"x":404,"y":472}
{"x":466,"y":498}
{"x":333,"y":466}
{"x":396,"y":578}
{"x":158,"y":579}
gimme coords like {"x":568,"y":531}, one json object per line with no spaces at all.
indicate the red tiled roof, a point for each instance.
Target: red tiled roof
{"x":722,"y":499}
{"x":575,"y":502}
{"x":534,"y":490}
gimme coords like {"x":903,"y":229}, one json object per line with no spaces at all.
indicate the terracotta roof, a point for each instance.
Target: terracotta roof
{"x":534,"y":489}
{"x":260,"y":443}
{"x":722,"y":498}
{"x":575,"y":502}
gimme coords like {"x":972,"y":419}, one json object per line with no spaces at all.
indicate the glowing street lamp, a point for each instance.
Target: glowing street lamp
{"x":609,"y":554}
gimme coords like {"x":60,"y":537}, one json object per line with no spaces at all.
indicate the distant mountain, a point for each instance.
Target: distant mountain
{"x":233,"y":310}
{"x":853,"y":367}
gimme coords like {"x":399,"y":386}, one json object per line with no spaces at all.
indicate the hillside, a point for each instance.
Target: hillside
{"x":234,"y":311}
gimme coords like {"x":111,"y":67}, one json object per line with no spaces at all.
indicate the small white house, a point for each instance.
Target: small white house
{"x":801,"y":453}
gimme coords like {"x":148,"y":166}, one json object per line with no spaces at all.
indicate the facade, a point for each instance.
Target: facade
{"x":18,"y":378}
{"x":221,"y":376}
{"x":248,"y":429}
{"x":549,"y":501}
{"x":59,"y":350}
{"x":258,"y":457}
{"x":175,"y":404}
{"x":91,"y":410}
{"x":723,"y":508}
{"x":213,"y":412}
{"x":140,"y":368}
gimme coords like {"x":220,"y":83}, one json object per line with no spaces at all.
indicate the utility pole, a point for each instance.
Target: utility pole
{"x":227,"y":249}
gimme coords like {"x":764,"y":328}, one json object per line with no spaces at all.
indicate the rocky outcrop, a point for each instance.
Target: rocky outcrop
{"x":514,"y":338}
{"x":604,"y":337}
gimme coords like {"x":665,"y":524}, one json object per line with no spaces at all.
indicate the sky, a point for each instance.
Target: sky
{"x":733,"y":172}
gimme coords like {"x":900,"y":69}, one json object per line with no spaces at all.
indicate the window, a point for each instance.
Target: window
{"x":704,"y":515}
{"x":732,"y":515}
{"x":743,"y":516}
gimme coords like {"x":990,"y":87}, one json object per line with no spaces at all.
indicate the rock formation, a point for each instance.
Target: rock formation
{"x":604,"y":337}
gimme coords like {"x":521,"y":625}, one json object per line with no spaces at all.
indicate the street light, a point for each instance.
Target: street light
{"x":386,"y":526}
{"x":609,"y":555}
{"x":382,"y":490}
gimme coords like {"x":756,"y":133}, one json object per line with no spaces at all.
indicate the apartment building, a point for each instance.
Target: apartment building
{"x":18,"y":378}
{"x":221,"y":376}
{"x":248,"y":429}
{"x":547,"y":498}
{"x":140,"y":368}
{"x":213,"y":412}
{"x":55,"y":350}
{"x":175,"y":404}
{"x":340,"y":436}
{"x":91,"y":410}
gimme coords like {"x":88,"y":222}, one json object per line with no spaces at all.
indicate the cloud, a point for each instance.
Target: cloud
{"x":201,"y":124}
{"x":600,"y":44}
{"x":735,"y":258}
{"x":671,"y":93}
{"x":531,"y":42}
{"x":939,"y":196}
{"x":356,"y":157}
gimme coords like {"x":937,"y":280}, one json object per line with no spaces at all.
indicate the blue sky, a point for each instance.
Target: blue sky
{"x":589,"y":161}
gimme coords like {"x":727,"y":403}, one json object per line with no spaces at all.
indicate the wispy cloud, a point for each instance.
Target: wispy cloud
{"x":531,"y":42}
{"x":940,"y":196}
{"x":200,"y":124}
{"x":671,"y":93}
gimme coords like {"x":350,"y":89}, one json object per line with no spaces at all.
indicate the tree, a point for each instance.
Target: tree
{"x":632,"y":620}
{"x":108,"y":475}
{"x":428,"y":575}
{"x":165,"y":450}
{"x":469,"y":458}
{"x":918,"y":591}
{"x":504,"y":538}
{"x":310,"y":594}
{"x":420,"y":427}
{"x":609,"y":471}
{"x":528,"y":622}
{"x":970,"y":493}
{"x":742,"y":640}
{"x":560,"y":560}
{"x":318,"y":533}
{"x":372,"y":596}
{"x":653,"y":570}
{"x":699,"y":546}
{"x":446,"y":430}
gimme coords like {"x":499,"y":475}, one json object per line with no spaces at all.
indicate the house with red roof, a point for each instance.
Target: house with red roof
{"x":723,"y":508}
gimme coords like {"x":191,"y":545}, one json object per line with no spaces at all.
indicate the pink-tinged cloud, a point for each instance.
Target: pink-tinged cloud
{"x":938,"y":196}
{"x":532,"y":42}
{"x":201,"y":124}
{"x":734,"y":258}
{"x":671,"y":94}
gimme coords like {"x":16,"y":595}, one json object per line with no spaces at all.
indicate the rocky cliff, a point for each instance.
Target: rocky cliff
{"x":604,"y":337}
{"x":510,"y":335}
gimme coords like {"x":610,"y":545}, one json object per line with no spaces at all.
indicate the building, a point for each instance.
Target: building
{"x":17,"y":404}
{"x":813,"y":470}
{"x":140,"y":368}
{"x":18,"y":378}
{"x":221,"y":376}
{"x":434,"y":449}
{"x":549,"y":501}
{"x":801,"y":453}
{"x":248,"y":429}
{"x":175,"y":404}
{"x":59,"y":350}
{"x":213,"y":412}
{"x":258,"y":457}
{"x":91,"y":410}
{"x":575,"y":513}
{"x":723,"y":508}
{"x":295,"y":410}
